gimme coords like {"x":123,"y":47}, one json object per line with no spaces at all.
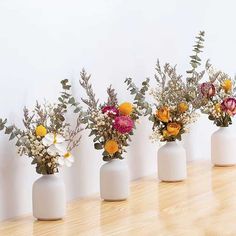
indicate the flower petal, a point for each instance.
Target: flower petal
{"x":71,"y":159}
{"x":46,"y":142}
{"x":48,"y":139}
{"x":61,"y":161}
{"x":60,"y":138}
{"x":52,"y":150}
{"x":67,"y":162}
{"x":61,"y":147}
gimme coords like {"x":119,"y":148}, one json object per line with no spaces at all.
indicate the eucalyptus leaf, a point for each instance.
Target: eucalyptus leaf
{"x":9,"y":129}
{"x":98,"y":146}
{"x":12,"y":136}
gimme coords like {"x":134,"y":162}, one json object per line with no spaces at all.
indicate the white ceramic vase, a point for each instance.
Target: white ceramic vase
{"x":223,"y":143}
{"x":48,"y":195}
{"x":114,"y":180}
{"x":171,"y":161}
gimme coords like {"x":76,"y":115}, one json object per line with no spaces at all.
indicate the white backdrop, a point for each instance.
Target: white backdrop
{"x":43,"y":42}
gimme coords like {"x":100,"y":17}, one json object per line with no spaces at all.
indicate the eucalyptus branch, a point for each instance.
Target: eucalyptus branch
{"x":215,"y":75}
{"x":160,"y":76}
{"x":195,"y":60}
{"x":27,"y":118}
{"x":91,"y":102}
{"x":12,"y":131}
{"x":112,"y":96}
{"x":193,"y":77}
{"x":171,"y":72}
{"x":66,"y":99}
{"x":74,"y":137}
{"x":139,"y":95}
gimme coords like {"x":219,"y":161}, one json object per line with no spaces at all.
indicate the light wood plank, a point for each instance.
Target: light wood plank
{"x":204,"y":204}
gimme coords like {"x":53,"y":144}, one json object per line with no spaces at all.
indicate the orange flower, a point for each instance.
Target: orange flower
{"x":227,"y":85}
{"x":173,"y":128}
{"x":126,"y":108}
{"x":111,"y":146}
{"x":182,"y":107}
{"x":163,"y":114}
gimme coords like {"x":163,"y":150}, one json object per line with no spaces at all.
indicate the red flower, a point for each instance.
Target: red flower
{"x":123,"y":124}
{"x":110,"y":110}
{"x":229,"y":106}
{"x":207,"y":89}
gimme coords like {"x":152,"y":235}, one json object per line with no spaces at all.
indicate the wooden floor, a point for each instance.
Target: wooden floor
{"x":205,"y":204}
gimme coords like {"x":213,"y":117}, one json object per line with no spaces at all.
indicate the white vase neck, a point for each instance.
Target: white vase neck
{"x":225,"y":129}
{"x":116,"y":160}
{"x":49,"y":176}
{"x":172,"y":143}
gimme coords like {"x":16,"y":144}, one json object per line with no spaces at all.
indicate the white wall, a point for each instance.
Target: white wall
{"x":42,"y":42}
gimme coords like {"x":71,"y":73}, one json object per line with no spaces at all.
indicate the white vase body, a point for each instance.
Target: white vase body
{"x":171,"y":159}
{"x":48,"y":195}
{"x":114,"y":180}
{"x":223,"y":143}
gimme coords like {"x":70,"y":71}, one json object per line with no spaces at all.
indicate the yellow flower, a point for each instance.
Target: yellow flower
{"x":182,"y":107}
{"x":165,"y":133}
{"x":227,"y":85}
{"x":111,"y":146}
{"x":217,"y":107}
{"x":173,"y":128}
{"x":41,"y":131}
{"x":126,"y":108}
{"x":163,"y":114}
{"x":67,"y":155}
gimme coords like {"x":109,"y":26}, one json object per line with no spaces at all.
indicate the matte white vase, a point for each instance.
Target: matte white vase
{"x":223,"y":144}
{"x":171,"y":159}
{"x":48,"y":195}
{"x":114,"y":180}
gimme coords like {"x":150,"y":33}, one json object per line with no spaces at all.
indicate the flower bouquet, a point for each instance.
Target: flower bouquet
{"x":218,"y":100}
{"x":174,"y":112}
{"x":218,"y":97}
{"x":48,"y":140}
{"x":111,"y":124}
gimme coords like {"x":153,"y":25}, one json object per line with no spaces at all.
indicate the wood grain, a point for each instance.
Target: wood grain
{"x":204,"y":204}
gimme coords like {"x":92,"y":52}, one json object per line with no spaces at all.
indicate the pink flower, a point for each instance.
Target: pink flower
{"x":110,"y":110}
{"x":229,"y":106}
{"x":123,"y":124}
{"x":207,"y":89}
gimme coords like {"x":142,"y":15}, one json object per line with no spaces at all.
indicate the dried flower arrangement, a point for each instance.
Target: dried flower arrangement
{"x":218,"y":97}
{"x":110,"y":123}
{"x":175,"y":100}
{"x":47,"y":138}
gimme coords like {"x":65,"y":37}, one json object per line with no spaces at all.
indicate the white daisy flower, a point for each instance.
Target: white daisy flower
{"x":65,"y":157}
{"x":53,"y":142}
{"x":52,"y":138}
